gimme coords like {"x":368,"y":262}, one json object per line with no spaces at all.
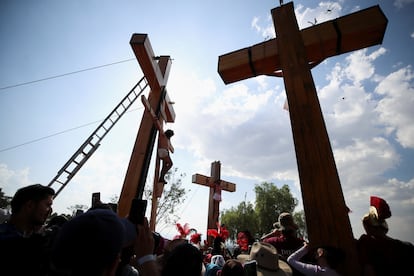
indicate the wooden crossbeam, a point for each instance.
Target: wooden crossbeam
{"x":206,"y":181}
{"x":156,"y":72}
{"x":345,"y":34}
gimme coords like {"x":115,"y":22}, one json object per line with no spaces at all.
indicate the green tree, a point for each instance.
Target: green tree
{"x":299,"y":218}
{"x":74,"y":208}
{"x":270,"y":202}
{"x":4,"y":200}
{"x":240,"y":218}
{"x":172,"y":197}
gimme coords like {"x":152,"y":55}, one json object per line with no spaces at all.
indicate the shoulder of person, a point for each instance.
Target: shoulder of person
{"x":9,"y":231}
{"x":363,"y":237}
{"x":404,"y":246}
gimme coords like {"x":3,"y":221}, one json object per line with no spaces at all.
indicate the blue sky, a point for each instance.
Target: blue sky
{"x":366,"y":97}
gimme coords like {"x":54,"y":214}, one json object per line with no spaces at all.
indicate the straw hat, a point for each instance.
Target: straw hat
{"x":267,"y":258}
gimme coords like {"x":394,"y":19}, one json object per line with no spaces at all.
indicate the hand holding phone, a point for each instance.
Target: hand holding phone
{"x":137,"y":211}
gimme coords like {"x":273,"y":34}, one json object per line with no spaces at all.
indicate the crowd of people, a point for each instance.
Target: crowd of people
{"x":99,"y":242}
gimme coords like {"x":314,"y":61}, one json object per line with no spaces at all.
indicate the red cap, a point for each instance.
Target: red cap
{"x":382,"y":207}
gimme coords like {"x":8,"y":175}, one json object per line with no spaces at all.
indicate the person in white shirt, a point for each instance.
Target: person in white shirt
{"x":327,"y":259}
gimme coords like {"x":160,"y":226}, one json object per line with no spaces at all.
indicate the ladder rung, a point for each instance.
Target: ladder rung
{"x":125,"y":104}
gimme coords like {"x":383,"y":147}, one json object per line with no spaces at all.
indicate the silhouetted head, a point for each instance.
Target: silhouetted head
{"x":169,"y":133}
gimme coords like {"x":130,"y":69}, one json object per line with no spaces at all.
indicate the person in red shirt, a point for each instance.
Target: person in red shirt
{"x":284,"y":237}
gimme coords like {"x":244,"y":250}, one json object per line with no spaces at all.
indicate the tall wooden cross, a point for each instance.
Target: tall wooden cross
{"x":156,"y":71}
{"x":292,"y":54}
{"x":216,"y":186}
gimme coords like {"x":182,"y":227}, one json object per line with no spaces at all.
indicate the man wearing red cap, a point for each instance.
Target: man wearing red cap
{"x":380,"y":254}
{"x":284,"y":237}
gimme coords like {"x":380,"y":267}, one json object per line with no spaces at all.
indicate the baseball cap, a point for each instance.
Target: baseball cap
{"x":92,"y":240}
{"x":285,"y":222}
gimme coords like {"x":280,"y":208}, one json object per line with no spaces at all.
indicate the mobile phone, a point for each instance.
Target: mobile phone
{"x":137,"y":211}
{"x":250,"y":268}
{"x":96,"y":199}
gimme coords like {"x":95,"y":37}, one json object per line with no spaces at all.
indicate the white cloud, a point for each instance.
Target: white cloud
{"x":346,"y":104}
{"x":267,"y":31}
{"x":401,"y":3}
{"x":11,"y":180}
{"x":361,"y":65}
{"x":325,"y":11}
{"x":236,"y":105}
{"x":362,"y":162}
{"x":396,"y":106}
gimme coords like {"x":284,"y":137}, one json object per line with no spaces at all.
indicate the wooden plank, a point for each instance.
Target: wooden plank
{"x":156,"y":74}
{"x":156,"y":71}
{"x":148,"y":107}
{"x":239,"y":65}
{"x":164,"y":63}
{"x":326,"y":214}
{"x":168,"y":109}
{"x":136,"y":167}
{"x":205,"y":181}
{"x":373,"y":23}
{"x":321,"y":41}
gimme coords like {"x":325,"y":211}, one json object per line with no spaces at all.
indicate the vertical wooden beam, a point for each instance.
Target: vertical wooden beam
{"x":156,"y":193}
{"x":156,"y":71}
{"x":325,"y":210}
{"x":214,"y":205}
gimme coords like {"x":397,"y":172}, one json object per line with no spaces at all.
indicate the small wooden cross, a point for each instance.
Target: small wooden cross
{"x":216,"y":186}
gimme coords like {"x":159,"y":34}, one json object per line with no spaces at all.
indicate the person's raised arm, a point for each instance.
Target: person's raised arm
{"x":274,"y":233}
{"x":294,"y":261}
{"x":144,"y":251}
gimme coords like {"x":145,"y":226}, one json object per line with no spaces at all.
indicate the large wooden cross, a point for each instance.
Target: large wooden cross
{"x":216,"y":186}
{"x":292,"y":54}
{"x":156,"y":71}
